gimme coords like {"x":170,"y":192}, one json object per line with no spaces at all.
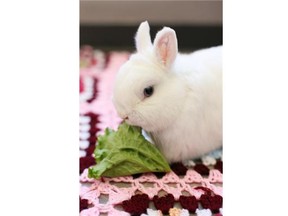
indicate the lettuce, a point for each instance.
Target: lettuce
{"x":126,"y":152}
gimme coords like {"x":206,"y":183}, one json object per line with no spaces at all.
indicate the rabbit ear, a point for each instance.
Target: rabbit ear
{"x":142,"y":37}
{"x":165,"y":46}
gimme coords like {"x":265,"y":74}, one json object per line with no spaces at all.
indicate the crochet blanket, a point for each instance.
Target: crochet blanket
{"x":192,"y":188}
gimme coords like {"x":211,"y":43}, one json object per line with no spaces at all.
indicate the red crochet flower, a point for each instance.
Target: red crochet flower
{"x":135,"y":176}
{"x":86,"y":162}
{"x":93,"y":116}
{"x":90,"y":150}
{"x":179,"y":168}
{"x":201,"y":169}
{"x":93,"y":130}
{"x":219,"y":166}
{"x":189,"y":202}
{"x":164,"y":203}
{"x":214,"y":203}
{"x":137,"y":205}
{"x":92,"y":139}
{"x":83,"y":204}
{"x":159,"y":175}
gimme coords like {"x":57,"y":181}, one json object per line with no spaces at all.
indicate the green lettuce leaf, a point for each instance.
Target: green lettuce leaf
{"x":126,"y":152}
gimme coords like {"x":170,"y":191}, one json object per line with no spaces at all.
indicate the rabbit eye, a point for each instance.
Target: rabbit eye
{"x":148,"y":91}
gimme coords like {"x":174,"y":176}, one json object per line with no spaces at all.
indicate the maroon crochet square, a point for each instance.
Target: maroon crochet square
{"x":137,"y":205}
{"x":179,"y":168}
{"x":83,"y":204}
{"x":86,"y":162}
{"x":189,"y":202}
{"x":164,"y":203}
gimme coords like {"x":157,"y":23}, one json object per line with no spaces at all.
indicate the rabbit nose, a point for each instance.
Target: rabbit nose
{"x":126,"y":118}
{"x":123,"y":116}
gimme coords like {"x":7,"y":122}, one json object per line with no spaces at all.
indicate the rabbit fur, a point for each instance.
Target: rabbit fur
{"x":183,"y":116}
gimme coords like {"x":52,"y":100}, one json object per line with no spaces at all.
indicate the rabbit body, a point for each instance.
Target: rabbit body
{"x":182,"y":109}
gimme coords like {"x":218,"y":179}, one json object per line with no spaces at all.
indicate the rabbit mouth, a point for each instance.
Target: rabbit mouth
{"x":134,"y":118}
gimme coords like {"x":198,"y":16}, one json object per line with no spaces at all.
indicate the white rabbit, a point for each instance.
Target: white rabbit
{"x":176,"y":98}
